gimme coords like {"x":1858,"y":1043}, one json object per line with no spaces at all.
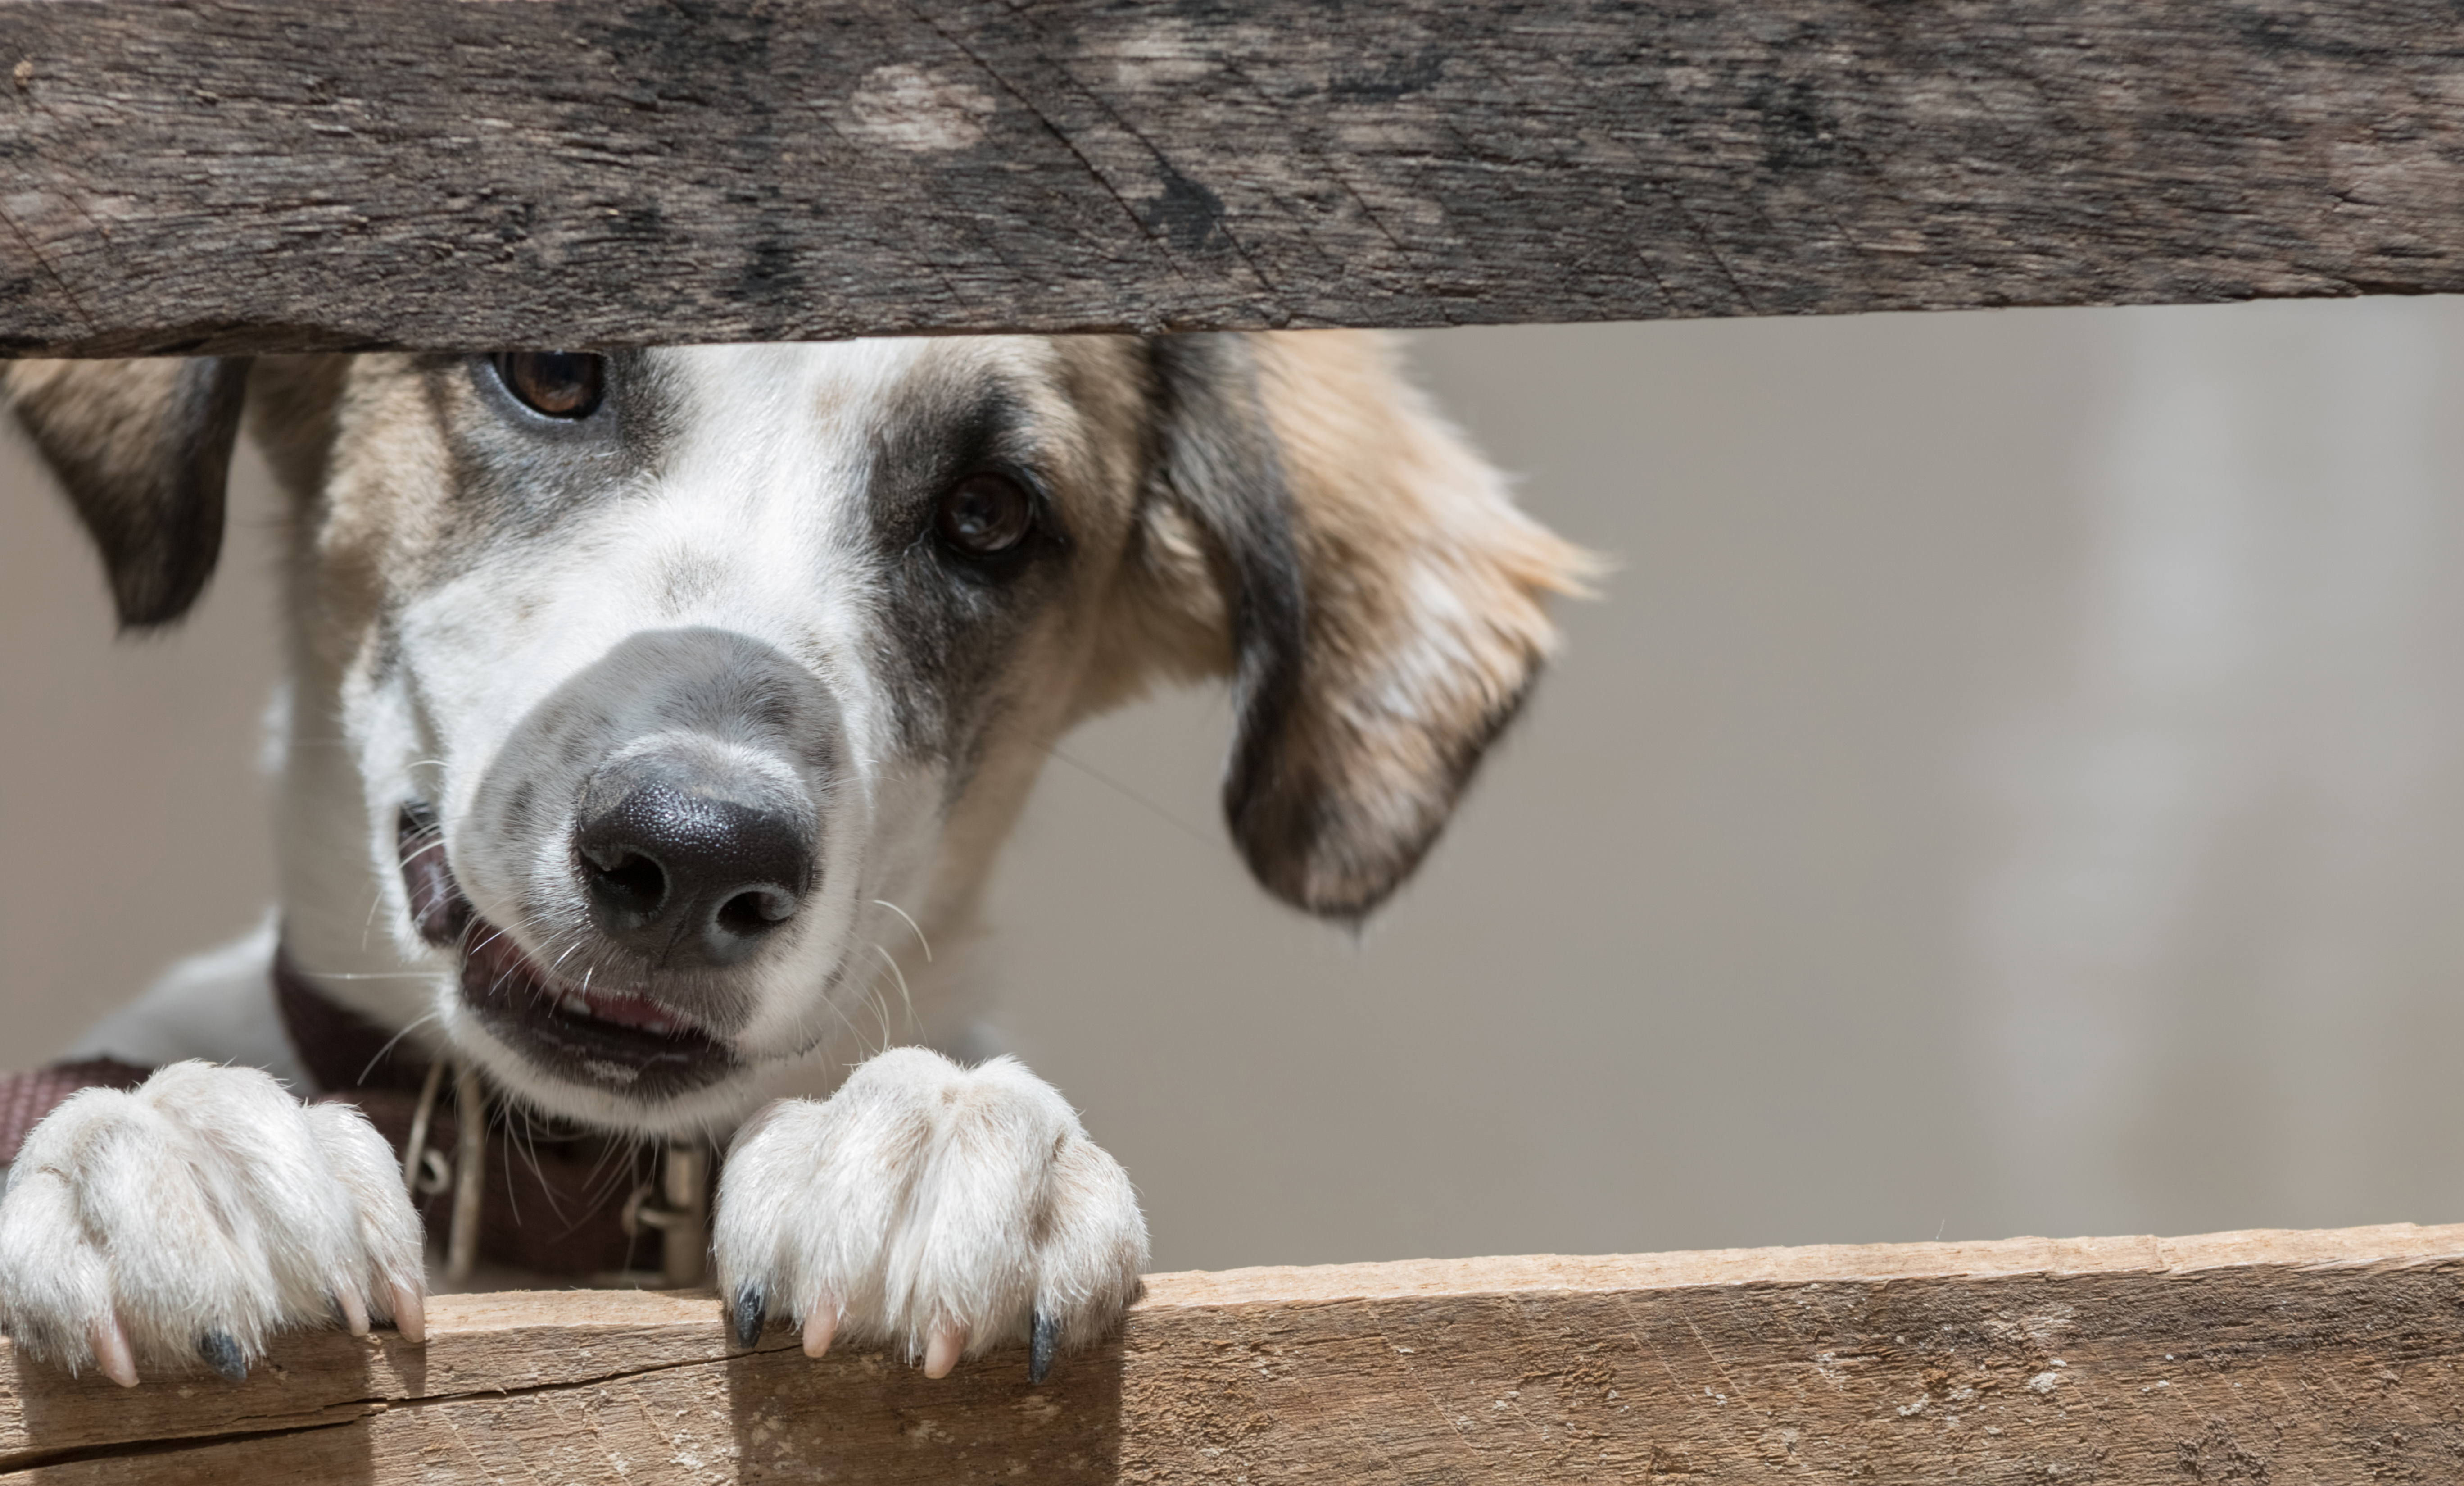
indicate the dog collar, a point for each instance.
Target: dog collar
{"x":25,"y":1097}
{"x":557,"y":1198}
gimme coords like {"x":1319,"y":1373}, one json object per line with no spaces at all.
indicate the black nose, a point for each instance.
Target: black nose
{"x":684,"y":872}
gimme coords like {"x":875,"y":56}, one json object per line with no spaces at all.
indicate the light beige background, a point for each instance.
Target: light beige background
{"x":2014,"y":784}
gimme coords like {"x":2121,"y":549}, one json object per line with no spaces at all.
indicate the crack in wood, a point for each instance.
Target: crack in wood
{"x":22,"y":1463}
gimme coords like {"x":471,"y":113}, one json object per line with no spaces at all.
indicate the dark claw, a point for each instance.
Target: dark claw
{"x":746,"y":1317}
{"x":1039,"y":1349}
{"x":222,"y":1353}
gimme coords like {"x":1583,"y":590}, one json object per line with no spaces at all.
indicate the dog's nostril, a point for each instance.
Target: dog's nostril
{"x":757,"y":911}
{"x":634,"y":884}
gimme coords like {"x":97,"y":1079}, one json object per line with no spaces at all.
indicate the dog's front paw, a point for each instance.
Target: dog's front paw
{"x":189,"y":1219}
{"x":938,"y":1208}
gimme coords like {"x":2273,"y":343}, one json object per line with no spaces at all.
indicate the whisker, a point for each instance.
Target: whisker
{"x":631,"y":1161}
{"x":1125,"y":792}
{"x":911,"y":923}
{"x":376,"y":900}
{"x":500,"y":1118}
{"x":380,"y":1055}
{"x":893,"y":961}
{"x":881,"y":1009}
{"x":830,"y":1004}
{"x":524,"y":1141}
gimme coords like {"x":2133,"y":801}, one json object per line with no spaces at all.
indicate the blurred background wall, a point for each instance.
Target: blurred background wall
{"x":2013,"y":783}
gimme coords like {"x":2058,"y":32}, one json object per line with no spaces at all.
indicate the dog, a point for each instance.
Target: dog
{"x":639,"y":703}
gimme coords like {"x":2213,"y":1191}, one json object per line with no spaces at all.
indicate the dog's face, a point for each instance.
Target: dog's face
{"x":680,"y":666}
{"x":676,"y":684}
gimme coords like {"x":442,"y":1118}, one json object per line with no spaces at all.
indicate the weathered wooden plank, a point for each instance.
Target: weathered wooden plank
{"x":2313,"y":1357}
{"x":264,"y":174}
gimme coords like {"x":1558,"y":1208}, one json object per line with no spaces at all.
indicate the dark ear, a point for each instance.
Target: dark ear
{"x":1377,"y":593}
{"x":144,"y":448}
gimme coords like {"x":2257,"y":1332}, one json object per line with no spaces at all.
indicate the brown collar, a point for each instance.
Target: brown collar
{"x":343,"y":1051}
{"x":559,"y":1199}
{"x":27,"y":1097}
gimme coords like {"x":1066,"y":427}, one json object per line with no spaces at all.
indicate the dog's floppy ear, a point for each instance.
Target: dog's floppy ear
{"x":144,"y":448}
{"x":1380,"y":595}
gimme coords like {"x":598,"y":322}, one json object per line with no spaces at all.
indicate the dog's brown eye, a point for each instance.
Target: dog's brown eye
{"x":560,"y":384}
{"x":985,"y":516}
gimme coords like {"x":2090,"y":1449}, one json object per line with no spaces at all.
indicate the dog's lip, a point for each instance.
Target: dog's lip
{"x":639,"y":1012}
{"x":492,"y":953}
{"x":622,"y":1041}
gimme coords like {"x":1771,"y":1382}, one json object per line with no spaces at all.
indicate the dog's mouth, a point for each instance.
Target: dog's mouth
{"x":620,"y":1041}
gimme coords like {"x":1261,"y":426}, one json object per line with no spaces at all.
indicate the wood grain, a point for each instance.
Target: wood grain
{"x":2314,"y":1356}
{"x":236,"y":175}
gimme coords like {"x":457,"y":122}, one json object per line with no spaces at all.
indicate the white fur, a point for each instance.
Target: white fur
{"x":762,"y":490}
{"x":919,"y":1196}
{"x":925,"y":1198}
{"x":207,"y":1201}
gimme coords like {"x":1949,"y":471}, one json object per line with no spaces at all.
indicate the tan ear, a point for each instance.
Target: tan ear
{"x":143,"y":448}
{"x":1369,"y":582}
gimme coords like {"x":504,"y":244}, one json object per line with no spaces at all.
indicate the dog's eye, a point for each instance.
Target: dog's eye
{"x":559,"y":384}
{"x":984,"y":516}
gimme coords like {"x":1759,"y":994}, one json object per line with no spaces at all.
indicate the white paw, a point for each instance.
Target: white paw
{"x":941,"y":1210}
{"x":190,"y":1218}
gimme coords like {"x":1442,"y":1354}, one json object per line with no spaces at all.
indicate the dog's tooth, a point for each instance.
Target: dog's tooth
{"x":573,"y":1005}
{"x":1046,"y":1340}
{"x":221,"y":1352}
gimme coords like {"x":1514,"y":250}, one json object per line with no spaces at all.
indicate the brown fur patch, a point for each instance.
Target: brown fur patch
{"x":1423,"y":620}
{"x":144,"y":448}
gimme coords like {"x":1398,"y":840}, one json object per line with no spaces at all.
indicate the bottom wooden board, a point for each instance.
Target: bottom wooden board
{"x":2273,"y":1356}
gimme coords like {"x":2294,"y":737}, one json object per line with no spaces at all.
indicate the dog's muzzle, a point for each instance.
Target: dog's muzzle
{"x":683,"y":881}
{"x":649,"y":836}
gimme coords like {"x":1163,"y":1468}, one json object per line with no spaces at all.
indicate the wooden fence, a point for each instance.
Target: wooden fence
{"x":2264,"y":1356}
{"x":259,"y":174}
{"x":265,"y":175}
